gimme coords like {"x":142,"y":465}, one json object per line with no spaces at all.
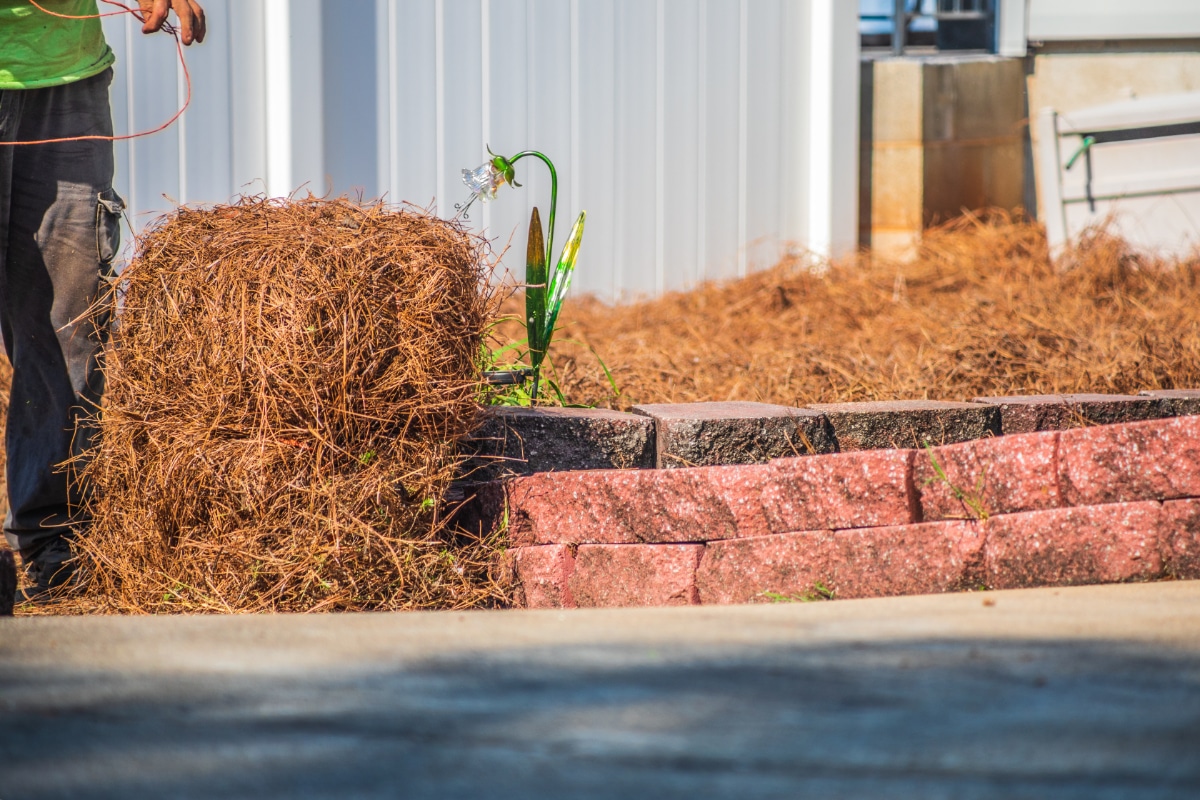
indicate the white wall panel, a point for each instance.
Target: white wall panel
{"x":350,"y":72}
{"x":407,"y":120}
{"x":722,"y":118}
{"x":634,"y":147}
{"x":505,"y":121}
{"x":702,"y":136}
{"x":207,"y":148}
{"x":679,"y":161}
{"x":764,"y":133}
{"x":246,"y":90}
{"x":1051,"y":20}
{"x":596,"y":144}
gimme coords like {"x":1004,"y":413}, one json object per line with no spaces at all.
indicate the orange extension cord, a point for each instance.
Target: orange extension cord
{"x":124,"y":9}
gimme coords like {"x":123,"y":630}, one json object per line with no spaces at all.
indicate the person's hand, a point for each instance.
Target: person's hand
{"x":189,"y":12}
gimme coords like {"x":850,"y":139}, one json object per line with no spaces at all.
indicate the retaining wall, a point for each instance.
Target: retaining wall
{"x":1119,"y":502}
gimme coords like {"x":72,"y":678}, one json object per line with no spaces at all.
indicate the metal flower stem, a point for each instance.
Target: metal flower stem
{"x":537,"y":373}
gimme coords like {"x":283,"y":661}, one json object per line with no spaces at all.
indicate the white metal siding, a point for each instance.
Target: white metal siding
{"x":702,"y":136}
{"x":1051,"y":20}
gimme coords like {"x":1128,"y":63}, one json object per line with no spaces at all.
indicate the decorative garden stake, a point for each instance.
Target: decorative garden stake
{"x":544,"y":292}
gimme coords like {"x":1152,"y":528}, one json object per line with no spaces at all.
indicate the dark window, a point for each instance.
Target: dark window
{"x":928,"y":25}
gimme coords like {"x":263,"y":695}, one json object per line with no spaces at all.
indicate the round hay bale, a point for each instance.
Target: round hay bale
{"x":287,"y":386}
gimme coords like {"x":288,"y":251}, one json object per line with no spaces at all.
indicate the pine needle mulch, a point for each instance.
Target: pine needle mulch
{"x":980,"y":312}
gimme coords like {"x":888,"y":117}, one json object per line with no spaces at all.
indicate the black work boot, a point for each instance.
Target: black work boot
{"x":8,"y":582}
{"x":48,"y":569}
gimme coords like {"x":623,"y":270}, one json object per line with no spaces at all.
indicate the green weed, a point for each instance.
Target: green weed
{"x":818,"y":592}
{"x":971,"y":500}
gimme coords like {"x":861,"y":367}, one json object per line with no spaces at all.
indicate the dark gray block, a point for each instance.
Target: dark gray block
{"x":908,"y":423}
{"x":706,"y":434}
{"x":521,"y":441}
{"x":1178,"y":402}
{"x":1056,"y":412}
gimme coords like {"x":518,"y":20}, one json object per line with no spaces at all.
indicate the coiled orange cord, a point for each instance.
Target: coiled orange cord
{"x":124,"y":9}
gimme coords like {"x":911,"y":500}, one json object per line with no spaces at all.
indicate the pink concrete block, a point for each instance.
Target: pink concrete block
{"x":849,"y":490}
{"x":542,"y":575}
{"x":1001,"y":475}
{"x":1181,"y":538}
{"x":615,"y":575}
{"x":751,"y":570}
{"x":1156,"y":460}
{"x":870,"y":562}
{"x":633,"y":506}
{"x":741,"y":490}
{"x":1073,"y":546}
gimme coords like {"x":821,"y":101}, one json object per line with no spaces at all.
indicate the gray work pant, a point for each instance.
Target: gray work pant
{"x":59,"y":232}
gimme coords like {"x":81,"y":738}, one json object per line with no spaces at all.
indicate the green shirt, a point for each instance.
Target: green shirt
{"x":37,"y":49}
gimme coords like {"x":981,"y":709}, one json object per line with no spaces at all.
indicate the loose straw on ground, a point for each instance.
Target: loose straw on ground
{"x":980,"y":311}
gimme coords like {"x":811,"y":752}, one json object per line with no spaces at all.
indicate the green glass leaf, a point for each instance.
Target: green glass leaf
{"x":561,"y":280}
{"x":535,"y":290}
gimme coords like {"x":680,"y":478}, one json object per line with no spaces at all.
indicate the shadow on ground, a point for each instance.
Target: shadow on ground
{"x":945,"y":718}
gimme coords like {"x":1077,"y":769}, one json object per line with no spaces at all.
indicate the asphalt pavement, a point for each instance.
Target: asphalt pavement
{"x":1088,"y":692}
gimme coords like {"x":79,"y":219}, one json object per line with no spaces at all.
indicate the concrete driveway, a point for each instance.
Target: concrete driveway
{"x":1090,"y":692}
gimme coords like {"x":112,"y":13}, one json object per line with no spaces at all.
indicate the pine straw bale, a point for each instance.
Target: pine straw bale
{"x":287,"y":385}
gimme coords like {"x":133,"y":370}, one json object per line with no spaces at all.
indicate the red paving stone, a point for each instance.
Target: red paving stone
{"x":1072,"y":546}
{"x":865,"y":489}
{"x":632,"y":506}
{"x":748,"y":570}
{"x":1181,"y":538}
{"x":875,"y":562}
{"x":741,"y":490}
{"x":1000,"y":475}
{"x":1158,"y":460}
{"x":542,"y":574}
{"x":635,"y":575}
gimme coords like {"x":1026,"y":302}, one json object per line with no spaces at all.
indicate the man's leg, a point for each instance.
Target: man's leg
{"x":62,"y":230}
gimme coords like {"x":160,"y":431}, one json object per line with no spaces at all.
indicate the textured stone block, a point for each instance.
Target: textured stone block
{"x":522,"y":441}
{"x":907,"y":423}
{"x":635,"y":575}
{"x":1157,"y":460}
{"x":1001,"y":475}
{"x":1176,"y":402}
{"x":848,"y":490}
{"x":632,"y":506}
{"x":706,"y":434}
{"x":542,"y":576}
{"x":1180,"y":539}
{"x":1074,"y":546}
{"x":1057,"y":412}
{"x":873,"y":562}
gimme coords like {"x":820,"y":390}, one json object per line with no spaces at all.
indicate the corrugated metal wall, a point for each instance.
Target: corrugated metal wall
{"x":702,"y":136}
